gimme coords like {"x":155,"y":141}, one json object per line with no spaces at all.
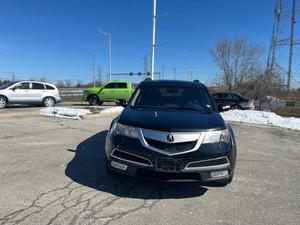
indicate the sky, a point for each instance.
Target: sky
{"x":57,"y":39}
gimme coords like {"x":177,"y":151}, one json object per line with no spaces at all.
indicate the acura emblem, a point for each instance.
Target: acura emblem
{"x":170,"y":138}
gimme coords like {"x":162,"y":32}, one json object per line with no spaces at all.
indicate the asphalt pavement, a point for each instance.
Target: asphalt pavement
{"x":52,"y":172}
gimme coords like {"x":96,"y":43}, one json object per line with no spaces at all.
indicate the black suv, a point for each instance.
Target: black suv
{"x":235,"y":100}
{"x":171,"y":130}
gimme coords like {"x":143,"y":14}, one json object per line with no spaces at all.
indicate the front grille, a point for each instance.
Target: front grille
{"x":170,"y":147}
{"x":167,"y":176}
{"x":211,"y":162}
{"x":130,"y":157}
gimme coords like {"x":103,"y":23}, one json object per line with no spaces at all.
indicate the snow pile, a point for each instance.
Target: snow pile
{"x":63,"y":112}
{"x":263,"y":118}
{"x":113,"y":110}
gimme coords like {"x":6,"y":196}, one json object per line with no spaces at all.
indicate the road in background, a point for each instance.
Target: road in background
{"x":24,"y":110}
{"x":52,"y":172}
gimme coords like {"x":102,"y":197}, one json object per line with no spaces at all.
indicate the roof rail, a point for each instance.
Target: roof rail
{"x":196,"y":81}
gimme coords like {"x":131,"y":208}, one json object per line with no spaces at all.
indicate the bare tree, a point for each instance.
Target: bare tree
{"x":43,"y":79}
{"x":238,"y":60}
{"x":79,"y":84}
{"x":60,"y":84}
{"x":68,"y":83}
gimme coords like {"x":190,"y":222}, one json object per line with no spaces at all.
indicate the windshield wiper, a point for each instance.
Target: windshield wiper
{"x":185,"y":108}
{"x":139,"y":107}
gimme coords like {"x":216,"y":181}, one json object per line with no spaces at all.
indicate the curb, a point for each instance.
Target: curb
{"x":90,"y":116}
{"x":22,"y":114}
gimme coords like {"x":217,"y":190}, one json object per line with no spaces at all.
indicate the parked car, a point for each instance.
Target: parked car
{"x":235,"y":100}
{"x":108,"y":92}
{"x":171,"y":130}
{"x":29,"y":93}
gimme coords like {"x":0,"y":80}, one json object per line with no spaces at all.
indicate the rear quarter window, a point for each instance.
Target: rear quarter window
{"x":122,"y":85}
{"x":37,"y":86}
{"x":48,"y":87}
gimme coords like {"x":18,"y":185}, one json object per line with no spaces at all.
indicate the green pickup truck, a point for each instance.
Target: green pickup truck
{"x":108,"y":92}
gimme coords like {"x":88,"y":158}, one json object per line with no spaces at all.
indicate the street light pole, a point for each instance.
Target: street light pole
{"x":153,"y":39}
{"x":109,"y":52}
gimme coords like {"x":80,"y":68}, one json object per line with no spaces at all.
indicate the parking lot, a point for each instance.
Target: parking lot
{"x":52,"y":172}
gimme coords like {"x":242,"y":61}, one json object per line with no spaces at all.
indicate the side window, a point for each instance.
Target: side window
{"x":23,"y":86}
{"x":37,"y":86}
{"x":234,"y":96}
{"x":122,"y":85}
{"x":227,"y":96}
{"x":49,"y":87}
{"x":111,"y":85}
{"x":217,"y":96}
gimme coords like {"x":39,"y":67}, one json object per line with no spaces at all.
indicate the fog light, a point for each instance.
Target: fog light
{"x":119,"y":166}
{"x":222,"y":173}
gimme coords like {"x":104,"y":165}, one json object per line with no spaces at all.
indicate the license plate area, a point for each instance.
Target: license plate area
{"x":168,"y":165}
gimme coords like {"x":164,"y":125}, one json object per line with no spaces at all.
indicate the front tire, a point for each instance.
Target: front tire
{"x":236,"y":107}
{"x":94,"y":100}
{"x":48,"y":102}
{"x":3,"y":102}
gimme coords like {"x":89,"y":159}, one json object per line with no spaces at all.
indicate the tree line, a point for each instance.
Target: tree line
{"x":242,"y":69}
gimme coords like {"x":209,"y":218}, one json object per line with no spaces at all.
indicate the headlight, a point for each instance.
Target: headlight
{"x":125,"y":130}
{"x":217,"y":136}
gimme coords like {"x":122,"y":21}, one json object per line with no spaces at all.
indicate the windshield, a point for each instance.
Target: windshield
{"x":174,"y":96}
{"x":8,"y":85}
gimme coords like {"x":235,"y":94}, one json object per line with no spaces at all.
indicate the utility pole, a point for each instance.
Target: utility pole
{"x":291,"y":45}
{"x":13,"y":76}
{"x":283,"y":37}
{"x":145,"y":66}
{"x":162,"y":71}
{"x":99,"y":74}
{"x":153,"y":38}
{"x":94,"y":71}
{"x":174,"y":73}
{"x":109,"y":52}
{"x":188,"y":73}
{"x":191,"y":76}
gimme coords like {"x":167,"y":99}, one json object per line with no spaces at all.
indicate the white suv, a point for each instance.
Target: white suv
{"x":29,"y":93}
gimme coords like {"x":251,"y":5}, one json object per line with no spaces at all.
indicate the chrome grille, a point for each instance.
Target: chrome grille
{"x":180,"y":143}
{"x":183,"y":146}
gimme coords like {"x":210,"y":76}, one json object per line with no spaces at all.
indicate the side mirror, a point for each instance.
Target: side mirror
{"x":13,"y":88}
{"x":120,"y":102}
{"x":223,"y":108}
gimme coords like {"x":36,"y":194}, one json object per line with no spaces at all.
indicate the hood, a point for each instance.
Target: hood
{"x":172,"y":120}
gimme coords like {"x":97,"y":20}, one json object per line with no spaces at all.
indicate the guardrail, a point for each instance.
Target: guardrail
{"x":71,"y":92}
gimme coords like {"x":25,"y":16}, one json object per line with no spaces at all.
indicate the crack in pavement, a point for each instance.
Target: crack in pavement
{"x":83,"y":205}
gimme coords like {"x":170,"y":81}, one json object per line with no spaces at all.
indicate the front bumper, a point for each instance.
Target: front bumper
{"x":84,"y":98}
{"x":58,"y":100}
{"x":196,"y":166}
